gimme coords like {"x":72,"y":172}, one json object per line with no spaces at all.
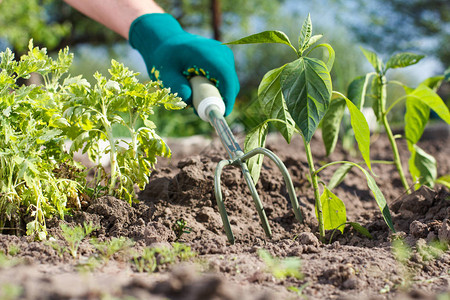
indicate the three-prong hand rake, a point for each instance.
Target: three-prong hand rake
{"x":211,"y":108}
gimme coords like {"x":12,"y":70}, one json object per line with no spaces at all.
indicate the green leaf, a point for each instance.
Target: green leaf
{"x":306,"y":87}
{"x":331,"y":124}
{"x":273,"y":104}
{"x":357,"y":90}
{"x":305,"y":34}
{"x":361,"y":130}
{"x":270,"y":36}
{"x":416,"y":118}
{"x":444,"y":180}
{"x":254,"y":139}
{"x":422,"y":167}
{"x":447,"y":74}
{"x":331,"y":54}
{"x":339,"y":175}
{"x":430,"y":98}
{"x":374,"y":60}
{"x":401,"y":60}
{"x":433,"y":82}
{"x":314,"y":39}
{"x":358,"y":227}
{"x":379,"y":198}
{"x":333,"y":210}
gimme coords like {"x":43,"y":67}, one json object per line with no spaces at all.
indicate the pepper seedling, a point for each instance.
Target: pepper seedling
{"x":296,"y":97}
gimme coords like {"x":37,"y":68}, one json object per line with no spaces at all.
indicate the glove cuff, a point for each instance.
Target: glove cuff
{"x":148,"y":31}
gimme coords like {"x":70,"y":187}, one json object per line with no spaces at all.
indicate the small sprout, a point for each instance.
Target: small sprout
{"x":109,"y":248}
{"x":13,"y":249}
{"x":299,"y":290}
{"x":74,"y":235}
{"x":153,"y":259}
{"x":281,"y":268}
{"x":179,"y":228}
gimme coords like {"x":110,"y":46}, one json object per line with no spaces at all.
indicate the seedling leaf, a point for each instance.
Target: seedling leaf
{"x":331,"y":55}
{"x":333,"y":209}
{"x":273,"y":104}
{"x":357,"y":90}
{"x":265,"y":37}
{"x":255,"y":138}
{"x":361,"y":130}
{"x":305,"y":34}
{"x":339,"y":175}
{"x":358,"y":227}
{"x":422,"y":167}
{"x":379,"y":198}
{"x":374,"y":60}
{"x":416,"y":118}
{"x":428,"y":96}
{"x":444,"y":180}
{"x":306,"y":86}
{"x":401,"y":60}
{"x":433,"y":82}
{"x":331,"y":124}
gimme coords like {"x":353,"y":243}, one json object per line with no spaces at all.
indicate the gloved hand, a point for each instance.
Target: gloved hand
{"x":176,"y":54}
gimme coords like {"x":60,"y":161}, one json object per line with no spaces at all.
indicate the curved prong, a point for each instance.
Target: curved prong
{"x":286,"y":176}
{"x":220,"y":203}
{"x":256,"y":200}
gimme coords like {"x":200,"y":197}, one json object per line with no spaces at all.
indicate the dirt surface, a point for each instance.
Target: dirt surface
{"x":352,"y":266}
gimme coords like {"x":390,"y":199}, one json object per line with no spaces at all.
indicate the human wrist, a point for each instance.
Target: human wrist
{"x":148,"y":31}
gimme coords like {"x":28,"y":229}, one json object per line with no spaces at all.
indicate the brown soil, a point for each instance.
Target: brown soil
{"x":351,"y":267}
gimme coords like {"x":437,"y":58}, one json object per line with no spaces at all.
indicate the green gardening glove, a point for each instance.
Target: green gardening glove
{"x":177,"y":55}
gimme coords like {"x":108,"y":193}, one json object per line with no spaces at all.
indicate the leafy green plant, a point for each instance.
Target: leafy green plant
{"x":281,"y":268}
{"x":419,"y":102}
{"x":121,"y":100}
{"x":32,"y":145}
{"x":36,"y":171}
{"x":153,"y":258}
{"x":296,"y":97}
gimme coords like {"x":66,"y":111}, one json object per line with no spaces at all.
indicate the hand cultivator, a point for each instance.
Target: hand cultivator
{"x":211,"y":108}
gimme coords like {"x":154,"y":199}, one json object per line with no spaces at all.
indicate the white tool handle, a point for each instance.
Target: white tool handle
{"x":206,"y":97}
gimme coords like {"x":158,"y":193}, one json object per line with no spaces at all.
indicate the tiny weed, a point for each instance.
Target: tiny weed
{"x":153,"y":259}
{"x":88,"y":265}
{"x":13,"y":250}
{"x":432,"y":251}
{"x":74,"y":235}
{"x":108,"y":249}
{"x":179,"y":227}
{"x":52,"y":242}
{"x":299,"y":290}
{"x":6,"y":262}
{"x":281,"y":268}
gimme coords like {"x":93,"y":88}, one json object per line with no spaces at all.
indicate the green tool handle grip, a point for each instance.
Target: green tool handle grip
{"x":206,"y":97}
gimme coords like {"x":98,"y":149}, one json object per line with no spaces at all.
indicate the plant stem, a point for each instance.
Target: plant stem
{"x":397,"y":160}
{"x":315,"y":183}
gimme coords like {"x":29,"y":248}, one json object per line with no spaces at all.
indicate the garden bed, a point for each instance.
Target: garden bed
{"x":351,"y":266}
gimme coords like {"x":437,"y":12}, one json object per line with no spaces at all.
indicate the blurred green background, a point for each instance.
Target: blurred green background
{"x":384,"y":26}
